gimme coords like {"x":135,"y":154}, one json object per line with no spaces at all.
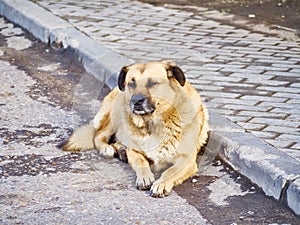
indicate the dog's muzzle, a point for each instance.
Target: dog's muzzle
{"x":141,"y":105}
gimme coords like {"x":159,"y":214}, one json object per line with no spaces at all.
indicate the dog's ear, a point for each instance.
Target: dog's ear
{"x":122,"y":77}
{"x":177,"y":73}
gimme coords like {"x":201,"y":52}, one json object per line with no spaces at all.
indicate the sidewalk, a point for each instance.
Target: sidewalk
{"x":250,"y":78}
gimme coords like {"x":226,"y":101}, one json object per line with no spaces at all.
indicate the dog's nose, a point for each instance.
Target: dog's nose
{"x":141,"y":104}
{"x":138,"y":99}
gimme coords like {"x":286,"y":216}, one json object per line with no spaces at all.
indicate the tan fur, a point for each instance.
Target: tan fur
{"x":81,"y":139}
{"x":171,"y":135}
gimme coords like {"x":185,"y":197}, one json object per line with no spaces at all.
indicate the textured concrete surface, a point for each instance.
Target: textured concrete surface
{"x":249,"y":77}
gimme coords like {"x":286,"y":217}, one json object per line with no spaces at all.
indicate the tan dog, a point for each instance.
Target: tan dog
{"x":157,"y":117}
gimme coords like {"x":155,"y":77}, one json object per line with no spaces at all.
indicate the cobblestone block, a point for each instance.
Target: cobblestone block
{"x":272,"y":60}
{"x":194,"y":21}
{"x":296,"y":146}
{"x":269,"y":68}
{"x":287,"y":55}
{"x":234,"y":85}
{"x":295,"y":85}
{"x":248,"y":108}
{"x":269,"y":57}
{"x":295,"y":49}
{"x":255,"y":36}
{"x":233,"y":101}
{"x":245,"y":50}
{"x":292,"y":66}
{"x":211,"y":24}
{"x":268,"y":46}
{"x":276,"y":122}
{"x":213,"y":66}
{"x":246,"y":42}
{"x":264,"y":98}
{"x":263,"y":114}
{"x":288,"y":137}
{"x":221,"y":94}
{"x":224,"y":111}
{"x":235,"y":70}
{"x":217,"y":77}
{"x":206,"y":87}
{"x":280,"y":144}
{"x":273,"y":42}
{"x":281,"y":129}
{"x":295,"y":117}
{"x":294,"y":101}
{"x":265,"y":135}
{"x":279,"y":89}
{"x":251,"y":76}
{"x":251,"y":126}
{"x":232,"y":55}
{"x":287,"y":95}
{"x":247,"y":91}
{"x":263,"y":81}
{"x":235,"y":119}
{"x":280,"y":106}
{"x":295,"y":70}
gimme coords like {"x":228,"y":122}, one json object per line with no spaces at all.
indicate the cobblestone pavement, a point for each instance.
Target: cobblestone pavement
{"x":252,"y":78}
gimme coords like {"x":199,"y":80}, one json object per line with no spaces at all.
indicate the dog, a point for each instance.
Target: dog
{"x":156,"y":118}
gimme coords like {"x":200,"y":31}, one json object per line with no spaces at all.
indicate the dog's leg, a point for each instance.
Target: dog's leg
{"x":121,"y":150}
{"x":108,"y":148}
{"x":103,"y":123}
{"x":144,"y":176}
{"x":184,"y":167}
{"x":184,"y":164}
{"x":101,"y":141}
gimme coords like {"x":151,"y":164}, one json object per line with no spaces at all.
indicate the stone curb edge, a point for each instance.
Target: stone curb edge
{"x":275,"y":172}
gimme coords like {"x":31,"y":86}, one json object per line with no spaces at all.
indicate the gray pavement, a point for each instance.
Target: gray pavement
{"x":249,"y":77}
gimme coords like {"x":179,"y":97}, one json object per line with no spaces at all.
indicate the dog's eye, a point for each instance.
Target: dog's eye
{"x":151,"y":84}
{"x":132,"y":83}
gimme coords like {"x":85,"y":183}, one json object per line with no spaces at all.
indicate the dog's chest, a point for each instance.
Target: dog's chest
{"x":156,"y":138}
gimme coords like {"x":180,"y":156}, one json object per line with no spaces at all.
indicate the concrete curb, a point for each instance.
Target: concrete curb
{"x":274,"y":171}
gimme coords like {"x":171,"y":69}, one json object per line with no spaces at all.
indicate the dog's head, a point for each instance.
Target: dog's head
{"x":145,"y":84}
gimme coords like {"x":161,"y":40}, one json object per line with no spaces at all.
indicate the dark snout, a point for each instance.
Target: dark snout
{"x":141,"y":104}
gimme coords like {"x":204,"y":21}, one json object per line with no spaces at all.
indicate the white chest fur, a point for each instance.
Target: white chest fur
{"x":155,"y":137}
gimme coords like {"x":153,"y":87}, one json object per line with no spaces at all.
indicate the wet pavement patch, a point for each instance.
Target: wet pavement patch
{"x":30,"y":135}
{"x":249,"y":205}
{"x":34,"y":165}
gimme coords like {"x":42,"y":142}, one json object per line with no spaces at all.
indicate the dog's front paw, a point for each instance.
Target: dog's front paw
{"x":144,"y":182}
{"x":107,"y":151}
{"x":161,"y":189}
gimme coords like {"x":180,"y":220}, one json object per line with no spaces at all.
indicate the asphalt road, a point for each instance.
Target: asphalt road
{"x":44,"y":94}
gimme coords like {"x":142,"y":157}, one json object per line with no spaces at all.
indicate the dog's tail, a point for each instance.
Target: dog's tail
{"x":82,"y":139}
